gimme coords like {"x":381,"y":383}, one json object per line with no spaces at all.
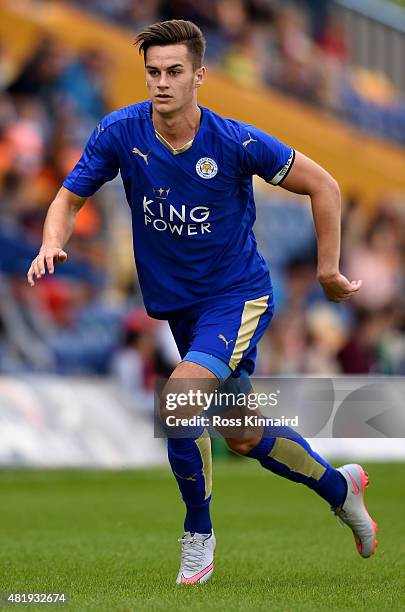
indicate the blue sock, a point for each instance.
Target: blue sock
{"x":190,"y":460}
{"x":198,"y":520}
{"x":286,"y":453}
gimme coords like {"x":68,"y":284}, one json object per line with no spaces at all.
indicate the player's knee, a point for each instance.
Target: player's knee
{"x":184,"y":393}
{"x":177,"y":399}
{"x":243,"y":446}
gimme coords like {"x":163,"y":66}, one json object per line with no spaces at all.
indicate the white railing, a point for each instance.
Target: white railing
{"x":376,"y":34}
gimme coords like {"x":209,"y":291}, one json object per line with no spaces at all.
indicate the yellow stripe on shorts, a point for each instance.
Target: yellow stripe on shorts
{"x":251,"y":314}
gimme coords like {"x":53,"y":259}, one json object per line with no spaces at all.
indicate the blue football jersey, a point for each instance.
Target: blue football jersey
{"x":193,"y":208}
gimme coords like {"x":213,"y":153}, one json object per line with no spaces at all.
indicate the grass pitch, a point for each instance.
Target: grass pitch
{"x":108,"y":539}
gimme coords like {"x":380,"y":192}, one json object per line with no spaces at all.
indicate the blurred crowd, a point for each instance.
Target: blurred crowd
{"x":88,"y":317}
{"x":299,"y":47}
{"x":365,"y":334}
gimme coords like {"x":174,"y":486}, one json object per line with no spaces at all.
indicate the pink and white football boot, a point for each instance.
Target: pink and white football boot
{"x":197,"y":558}
{"x":354,"y":513}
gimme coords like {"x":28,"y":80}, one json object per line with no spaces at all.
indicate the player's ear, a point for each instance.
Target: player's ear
{"x":199,"y":76}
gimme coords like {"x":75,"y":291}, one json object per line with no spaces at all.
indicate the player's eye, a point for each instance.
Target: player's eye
{"x":153,"y":72}
{"x":174,"y":72}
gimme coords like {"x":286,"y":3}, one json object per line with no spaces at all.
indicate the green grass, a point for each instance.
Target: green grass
{"x":109,"y":540}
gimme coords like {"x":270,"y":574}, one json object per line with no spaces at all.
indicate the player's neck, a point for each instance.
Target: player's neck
{"x":180,"y":127}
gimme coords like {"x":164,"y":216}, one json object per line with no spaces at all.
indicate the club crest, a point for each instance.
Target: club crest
{"x":206,"y":167}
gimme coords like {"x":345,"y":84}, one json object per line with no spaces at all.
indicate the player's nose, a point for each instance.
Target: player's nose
{"x":163,"y":80}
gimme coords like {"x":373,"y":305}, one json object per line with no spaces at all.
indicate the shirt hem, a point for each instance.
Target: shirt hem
{"x":190,"y":312}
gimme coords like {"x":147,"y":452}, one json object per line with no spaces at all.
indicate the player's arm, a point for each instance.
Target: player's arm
{"x":98,"y":164}
{"x":308,"y":178}
{"x":58,"y":227}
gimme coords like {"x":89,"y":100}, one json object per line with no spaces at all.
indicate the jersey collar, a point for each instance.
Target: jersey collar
{"x":169,"y":146}
{"x":166,"y":144}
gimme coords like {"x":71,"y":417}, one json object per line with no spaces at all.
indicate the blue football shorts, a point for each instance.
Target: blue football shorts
{"x":224,"y":338}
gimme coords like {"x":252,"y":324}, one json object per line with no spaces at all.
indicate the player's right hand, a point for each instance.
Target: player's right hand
{"x":46,"y":259}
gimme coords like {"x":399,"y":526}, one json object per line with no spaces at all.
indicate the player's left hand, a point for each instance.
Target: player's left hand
{"x":337,"y":287}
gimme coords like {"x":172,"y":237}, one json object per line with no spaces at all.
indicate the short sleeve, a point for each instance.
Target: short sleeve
{"x":97,"y":165}
{"x":265,"y":156}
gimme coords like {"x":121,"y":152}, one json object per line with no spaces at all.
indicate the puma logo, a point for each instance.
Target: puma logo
{"x":192,"y":478}
{"x":143,"y":155}
{"x":221,"y":337}
{"x":246,"y":142}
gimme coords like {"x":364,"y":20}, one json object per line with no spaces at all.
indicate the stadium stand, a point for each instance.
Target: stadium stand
{"x":301,"y":48}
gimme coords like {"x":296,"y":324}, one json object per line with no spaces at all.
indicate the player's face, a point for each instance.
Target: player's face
{"x":171,"y":79}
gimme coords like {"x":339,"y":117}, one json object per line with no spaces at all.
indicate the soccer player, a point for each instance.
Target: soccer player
{"x":187,"y":174}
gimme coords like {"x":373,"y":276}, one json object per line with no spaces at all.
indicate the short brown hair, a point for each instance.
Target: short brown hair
{"x":174,"y":32}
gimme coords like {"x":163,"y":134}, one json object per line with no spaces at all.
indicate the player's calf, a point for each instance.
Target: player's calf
{"x":286,"y":453}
